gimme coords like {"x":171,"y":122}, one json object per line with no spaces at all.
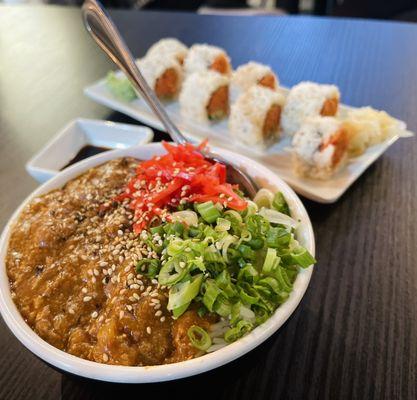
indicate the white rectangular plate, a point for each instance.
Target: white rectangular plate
{"x":275,"y":157}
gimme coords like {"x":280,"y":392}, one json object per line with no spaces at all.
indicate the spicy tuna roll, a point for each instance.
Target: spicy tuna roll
{"x":254,"y":73}
{"x":202,"y":57}
{"x":163,"y":74}
{"x":308,"y":99}
{"x":205,"y":97}
{"x":169,"y":47}
{"x":255,"y":116}
{"x":319,"y":147}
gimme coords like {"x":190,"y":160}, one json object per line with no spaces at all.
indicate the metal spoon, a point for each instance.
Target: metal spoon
{"x":104,"y":32}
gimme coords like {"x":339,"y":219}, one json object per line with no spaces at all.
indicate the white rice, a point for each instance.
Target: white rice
{"x":305,"y":100}
{"x":247,"y":115}
{"x":168,"y":47}
{"x":250,"y":74}
{"x":308,"y":159}
{"x":200,"y":57}
{"x":153,"y":67}
{"x":196,"y":93}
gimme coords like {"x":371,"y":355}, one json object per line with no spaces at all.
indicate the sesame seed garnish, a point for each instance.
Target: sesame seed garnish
{"x":121,"y":314}
{"x":148,"y":330}
{"x":105,"y":357}
{"x":127,"y":269}
{"x":86,"y":299}
{"x":103,"y":264}
{"x":136,"y":296}
{"x":71,"y":311}
{"x":84,"y":290}
{"x":94,"y":314}
{"x":162,"y":319}
{"x":158,"y":313}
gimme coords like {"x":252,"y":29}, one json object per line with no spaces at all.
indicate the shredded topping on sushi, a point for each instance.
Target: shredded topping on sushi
{"x":320,"y":146}
{"x":249,"y":115}
{"x":254,"y":73}
{"x":153,"y":68}
{"x":202,"y":57}
{"x":197,"y":93}
{"x":307,"y":99}
{"x":170,"y":48}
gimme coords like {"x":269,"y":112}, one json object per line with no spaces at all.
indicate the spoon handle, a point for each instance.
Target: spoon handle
{"x":104,"y":32}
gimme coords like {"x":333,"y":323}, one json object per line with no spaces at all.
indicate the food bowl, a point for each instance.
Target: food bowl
{"x":112,"y":373}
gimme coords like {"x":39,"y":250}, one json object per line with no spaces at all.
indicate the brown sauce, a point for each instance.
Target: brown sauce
{"x":71,"y":266}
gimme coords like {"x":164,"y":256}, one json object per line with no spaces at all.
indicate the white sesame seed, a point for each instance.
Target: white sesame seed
{"x":105,"y":357}
{"x":130,"y":276}
{"x":132,"y":299}
{"x":148,"y":330}
{"x":127,"y":268}
{"x":121,"y":314}
{"x":86,"y":299}
{"x":158,"y":313}
{"x":136,"y":296}
{"x":103,"y":264}
{"x":71,"y":311}
{"x":129,"y":307}
{"x":96,"y":272}
{"x":93,"y":279}
{"x":94,"y":314}
{"x":84,"y":290}
{"x":162,"y":319}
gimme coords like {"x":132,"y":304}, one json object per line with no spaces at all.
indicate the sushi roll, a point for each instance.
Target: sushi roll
{"x":202,"y":57}
{"x":308,"y":99}
{"x":254,"y":73}
{"x":163,"y":74}
{"x":205,"y":97}
{"x":255,"y":116}
{"x":319,"y":147}
{"x":169,"y":47}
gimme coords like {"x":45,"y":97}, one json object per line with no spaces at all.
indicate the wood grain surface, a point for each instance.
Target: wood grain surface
{"x":354,"y":334}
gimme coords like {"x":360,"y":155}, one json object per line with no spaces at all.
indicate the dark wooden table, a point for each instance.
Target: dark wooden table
{"x":354,"y":336}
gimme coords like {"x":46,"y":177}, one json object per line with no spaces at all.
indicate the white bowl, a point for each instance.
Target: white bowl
{"x":90,"y":369}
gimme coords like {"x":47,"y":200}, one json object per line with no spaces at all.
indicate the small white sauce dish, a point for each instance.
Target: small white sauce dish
{"x":115,"y":373}
{"x":65,"y":145}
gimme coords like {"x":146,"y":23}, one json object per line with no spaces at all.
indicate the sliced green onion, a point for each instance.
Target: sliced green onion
{"x":212,"y":291}
{"x":248,"y":273}
{"x":251,"y":208}
{"x":173,"y":271}
{"x":222,"y":306}
{"x":181,"y":295}
{"x":153,"y":267}
{"x":280,"y":204}
{"x":264,"y":198}
{"x":278,"y":237}
{"x":276,"y":217}
{"x":271,"y":261}
{"x":157,"y":229}
{"x":222,"y":225}
{"x":300,"y":256}
{"x":241,"y":328}
{"x":247,"y":293}
{"x":208,"y":211}
{"x":246,"y":252}
{"x":199,"y":338}
{"x":187,"y":217}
